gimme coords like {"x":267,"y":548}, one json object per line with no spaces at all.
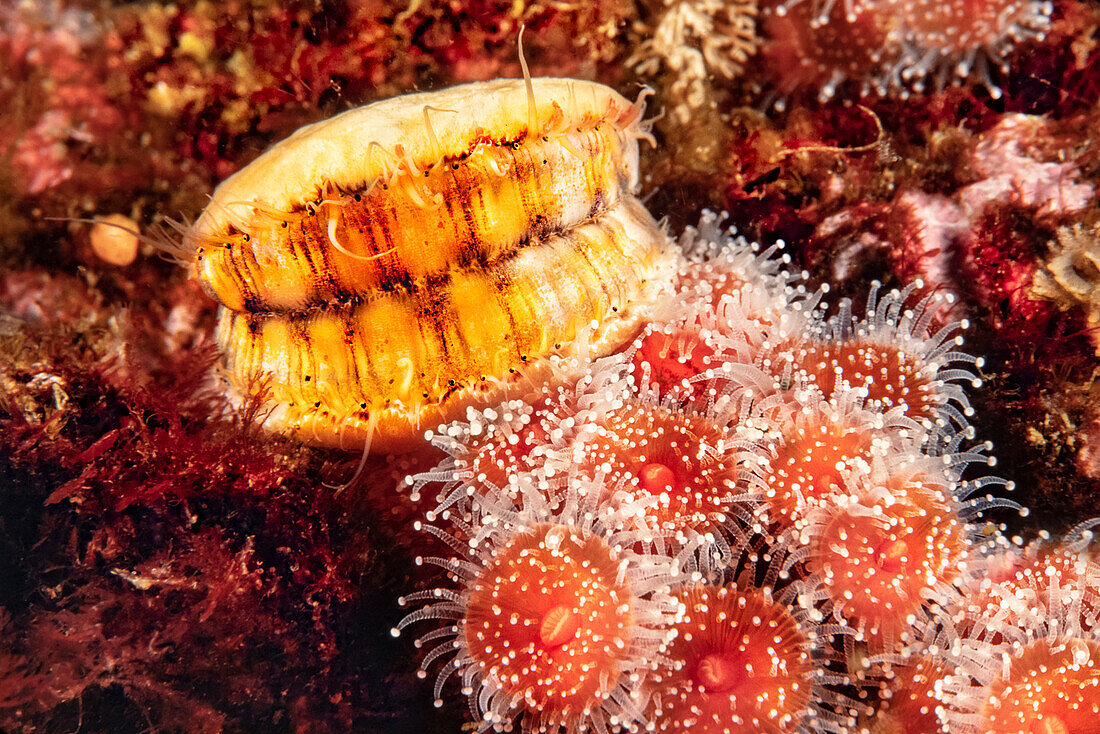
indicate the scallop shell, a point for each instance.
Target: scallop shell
{"x":381,"y":270}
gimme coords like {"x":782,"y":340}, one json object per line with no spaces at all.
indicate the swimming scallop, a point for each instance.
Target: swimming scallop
{"x":381,"y":270}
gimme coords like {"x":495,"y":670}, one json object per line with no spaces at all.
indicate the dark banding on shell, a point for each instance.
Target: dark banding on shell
{"x":461,"y":244}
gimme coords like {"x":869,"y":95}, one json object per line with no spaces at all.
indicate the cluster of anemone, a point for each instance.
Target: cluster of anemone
{"x":1018,"y":650}
{"x":755,"y":518}
{"x":898,"y":47}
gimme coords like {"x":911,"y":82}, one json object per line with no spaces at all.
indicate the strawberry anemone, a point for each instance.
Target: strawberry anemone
{"x":555,"y":619}
{"x":741,"y":661}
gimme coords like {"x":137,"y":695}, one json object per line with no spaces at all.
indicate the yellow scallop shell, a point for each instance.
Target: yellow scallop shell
{"x":381,"y":270}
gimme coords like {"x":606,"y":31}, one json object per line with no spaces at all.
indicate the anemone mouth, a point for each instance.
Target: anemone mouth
{"x":685,"y":467}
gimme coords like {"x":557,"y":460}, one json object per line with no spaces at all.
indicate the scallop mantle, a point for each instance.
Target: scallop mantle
{"x":381,"y":270}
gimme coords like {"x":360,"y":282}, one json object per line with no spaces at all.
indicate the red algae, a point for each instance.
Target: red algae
{"x":184,"y":542}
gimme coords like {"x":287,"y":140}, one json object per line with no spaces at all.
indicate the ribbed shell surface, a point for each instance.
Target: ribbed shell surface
{"x":453,"y":251}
